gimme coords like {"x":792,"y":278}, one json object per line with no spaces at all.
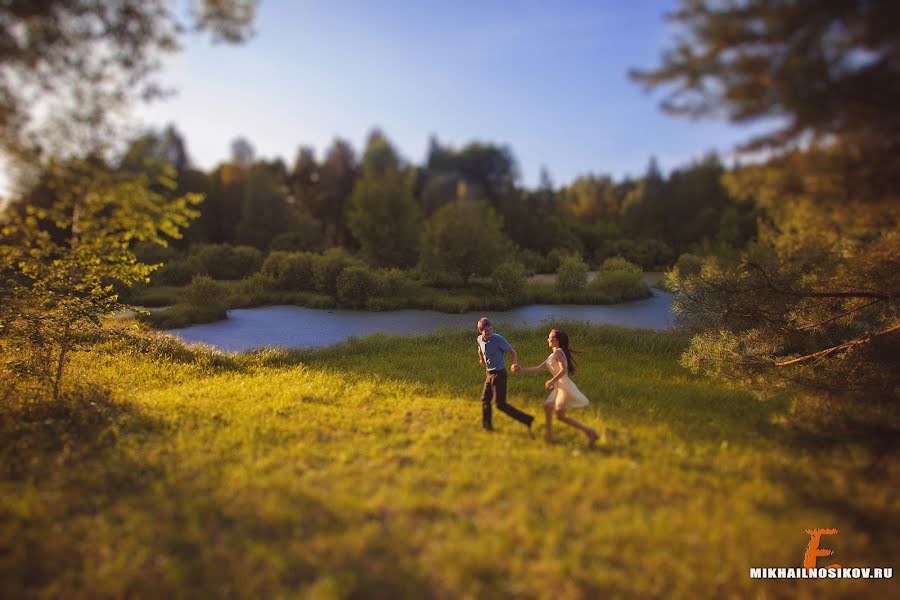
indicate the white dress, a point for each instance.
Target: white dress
{"x":565,"y":393}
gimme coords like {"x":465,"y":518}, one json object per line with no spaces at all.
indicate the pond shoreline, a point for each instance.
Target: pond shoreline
{"x":539,"y":290}
{"x":300,"y":327}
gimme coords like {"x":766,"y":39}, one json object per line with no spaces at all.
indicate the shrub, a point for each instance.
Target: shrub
{"x":224,"y":261}
{"x":393,"y":282}
{"x":651,"y":254}
{"x":381,"y":304}
{"x":243,"y":261}
{"x":151,"y":253}
{"x":531,"y":261}
{"x":617,"y":263}
{"x":176,"y":272}
{"x":648,"y":254}
{"x":205,"y":291}
{"x":319,"y":301}
{"x":572,"y":275}
{"x":354,"y":286}
{"x":327,"y":267}
{"x":441,"y":279}
{"x":257,"y":288}
{"x":688,"y":264}
{"x":155,"y":297}
{"x":274,"y":264}
{"x":183,"y":315}
{"x":450,"y":304}
{"x":291,"y":270}
{"x":508,"y":279}
{"x":298,"y":272}
{"x":557,"y":256}
{"x":621,"y":284}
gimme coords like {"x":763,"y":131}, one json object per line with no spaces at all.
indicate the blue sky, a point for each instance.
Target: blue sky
{"x":550,"y":80}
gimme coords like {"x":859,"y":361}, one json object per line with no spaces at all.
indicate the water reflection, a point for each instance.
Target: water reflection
{"x":296,"y":327}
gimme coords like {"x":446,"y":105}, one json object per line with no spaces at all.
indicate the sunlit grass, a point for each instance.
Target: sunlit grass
{"x":360,"y":470}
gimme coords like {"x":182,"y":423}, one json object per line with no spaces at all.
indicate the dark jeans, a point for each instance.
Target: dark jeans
{"x":495,"y":388}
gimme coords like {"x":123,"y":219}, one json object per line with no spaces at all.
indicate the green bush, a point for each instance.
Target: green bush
{"x":377,"y":304}
{"x":441,"y":279}
{"x":256,"y":288}
{"x":572,"y":275}
{"x":688,"y":264}
{"x":274,"y":265}
{"x":183,"y":315}
{"x":393,"y":282}
{"x":205,"y":291}
{"x":557,"y":256}
{"x":152,"y":253}
{"x":617,"y":263}
{"x":291,"y":270}
{"x":319,"y":301}
{"x":531,"y":261}
{"x":652,"y":254}
{"x":355,"y":285}
{"x":508,"y":279}
{"x":224,"y":261}
{"x":327,"y":266}
{"x":648,"y":254}
{"x":219,"y":261}
{"x":621,"y":284}
{"x":177,"y":272}
{"x":451,"y":304}
{"x":155,"y":297}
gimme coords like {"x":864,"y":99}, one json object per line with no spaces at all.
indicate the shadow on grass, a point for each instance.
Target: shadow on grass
{"x":98,"y":502}
{"x":697,"y":410}
{"x":854,"y":492}
{"x":856,"y":456}
{"x":60,"y":459}
{"x":43,"y":435}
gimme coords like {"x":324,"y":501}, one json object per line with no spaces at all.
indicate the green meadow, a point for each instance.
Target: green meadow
{"x":361,"y":471}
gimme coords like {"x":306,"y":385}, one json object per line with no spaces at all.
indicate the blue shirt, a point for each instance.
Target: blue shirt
{"x":493,"y":351}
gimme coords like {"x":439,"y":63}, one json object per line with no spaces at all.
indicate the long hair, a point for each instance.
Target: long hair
{"x":563,"y":338}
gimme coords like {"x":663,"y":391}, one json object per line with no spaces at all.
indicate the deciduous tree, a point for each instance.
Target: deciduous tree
{"x":383,"y":215}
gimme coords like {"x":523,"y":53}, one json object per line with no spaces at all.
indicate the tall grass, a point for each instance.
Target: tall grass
{"x":360,"y":470}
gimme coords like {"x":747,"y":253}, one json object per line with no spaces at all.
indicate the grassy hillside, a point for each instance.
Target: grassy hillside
{"x":361,"y":470}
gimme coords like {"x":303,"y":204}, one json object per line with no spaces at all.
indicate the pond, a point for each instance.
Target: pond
{"x":297,"y":327}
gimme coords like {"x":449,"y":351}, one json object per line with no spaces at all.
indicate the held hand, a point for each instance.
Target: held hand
{"x":516,"y":368}
{"x":548,"y":384}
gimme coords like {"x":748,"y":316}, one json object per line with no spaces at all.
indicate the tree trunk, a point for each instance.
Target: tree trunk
{"x":61,"y":361}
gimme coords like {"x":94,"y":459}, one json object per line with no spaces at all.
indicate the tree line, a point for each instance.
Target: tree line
{"x":466,"y":202}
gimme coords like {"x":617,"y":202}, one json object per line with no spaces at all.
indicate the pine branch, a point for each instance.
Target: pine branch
{"x":844,"y":294}
{"x":836,"y":317}
{"x":847,"y":346}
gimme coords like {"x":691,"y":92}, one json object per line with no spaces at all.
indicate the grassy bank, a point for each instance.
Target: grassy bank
{"x":360,"y":470}
{"x":477,"y":295}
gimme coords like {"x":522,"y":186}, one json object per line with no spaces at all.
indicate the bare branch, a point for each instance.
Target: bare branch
{"x":836,"y":317}
{"x":847,"y":346}
{"x":844,"y":294}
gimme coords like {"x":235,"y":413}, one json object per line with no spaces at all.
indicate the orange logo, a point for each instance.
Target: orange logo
{"x":813,"y":551}
{"x":810,"y":570}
